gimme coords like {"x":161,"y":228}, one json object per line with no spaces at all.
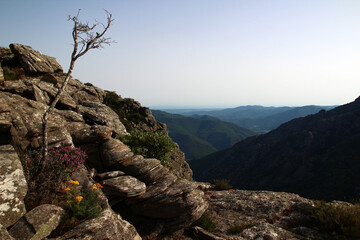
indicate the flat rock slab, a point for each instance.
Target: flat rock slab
{"x":13,"y":186}
{"x":123,"y":186}
{"x":38,"y":223}
{"x":33,"y":61}
{"x":101,"y":114}
{"x":108,"y":225}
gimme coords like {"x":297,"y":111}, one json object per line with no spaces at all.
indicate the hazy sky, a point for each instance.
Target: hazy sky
{"x":205,"y":52}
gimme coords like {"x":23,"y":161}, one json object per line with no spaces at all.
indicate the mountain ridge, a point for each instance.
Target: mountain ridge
{"x":258,"y":118}
{"x":304,"y":156}
{"x":200,"y":135}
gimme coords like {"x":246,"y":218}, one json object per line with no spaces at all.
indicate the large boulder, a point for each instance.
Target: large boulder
{"x":26,"y":119}
{"x":123,"y":186}
{"x":33,"y":61}
{"x":5,"y":55}
{"x":241,"y":214}
{"x":175,"y":203}
{"x":108,"y":225}
{"x":97,"y":113}
{"x":13,"y":186}
{"x":38,"y":223}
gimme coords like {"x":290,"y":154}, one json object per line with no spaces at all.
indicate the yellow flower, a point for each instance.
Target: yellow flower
{"x":67,"y":189}
{"x":99,"y":185}
{"x":94,"y":188}
{"x":79,"y":198}
{"x":74,"y":182}
{"x":69,"y":201}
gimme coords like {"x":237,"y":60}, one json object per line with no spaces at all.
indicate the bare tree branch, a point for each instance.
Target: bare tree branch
{"x":83,"y":34}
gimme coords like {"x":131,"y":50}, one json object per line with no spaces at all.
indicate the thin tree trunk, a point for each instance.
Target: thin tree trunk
{"x":46,"y":114}
{"x":90,"y":41}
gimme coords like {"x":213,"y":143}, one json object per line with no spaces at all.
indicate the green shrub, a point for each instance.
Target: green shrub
{"x":206,"y":223}
{"x":151,"y":145}
{"x":81,"y":204}
{"x":9,"y":74}
{"x":341,"y":222}
{"x":222,"y":184}
{"x":239,"y":228}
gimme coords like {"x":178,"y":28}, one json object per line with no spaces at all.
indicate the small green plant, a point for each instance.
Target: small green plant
{"x":88,"y":84}
{"x":206,"y":223}
{"x":81,"y":204}
{"x":9,"y":74}
{"x":240,"y":228}
{"x":335,"y":222}
{"x":150,"y":144}
{"x":222,"y":184}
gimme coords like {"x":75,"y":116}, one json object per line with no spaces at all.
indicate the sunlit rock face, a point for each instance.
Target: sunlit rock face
{"x":13,"y":186}
{"x":33,"y":61}
{"x":145,"y":188}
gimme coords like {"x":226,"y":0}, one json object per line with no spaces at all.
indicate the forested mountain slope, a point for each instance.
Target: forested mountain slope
{"x":317,"y":156}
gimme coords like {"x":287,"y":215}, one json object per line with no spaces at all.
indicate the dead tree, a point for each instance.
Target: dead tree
{"x":85,"y":38}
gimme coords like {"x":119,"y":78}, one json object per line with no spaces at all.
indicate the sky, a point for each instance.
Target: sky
{"x":204,"y":53}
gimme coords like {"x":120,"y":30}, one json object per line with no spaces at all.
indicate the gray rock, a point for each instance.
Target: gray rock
{"x":5,"y":123}
{"x":114,"y":152}
{"x":38,"y":223}
{"x":13,"y":186}
{"x":26,"y":121}
{"x":101,"y":114}
{"x":5,"y":54}
{"x":267,"y":231}
{"x":4,"y":235}
{"x":84,"y":93}
{"x":108,"y":225}
{"x":17,"y":87}
{"x":266,"y":214}
{"x":33,"y":61}
{"x":89,"y":134}
{"x":123,"y":186}
{"x":50,"y":90}
{"x":40,"y":96}
{"x":176,"y":201}
{"x":112,"y":174}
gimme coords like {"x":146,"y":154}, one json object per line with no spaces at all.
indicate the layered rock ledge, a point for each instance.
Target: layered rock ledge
{"x":142,"y":186}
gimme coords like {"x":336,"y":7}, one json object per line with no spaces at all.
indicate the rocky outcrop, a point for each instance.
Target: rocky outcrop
{"x":108,"y":225}
{"x":38,"y":223}
{"x":177,"y":202}
{"x":135,"y":116}
{"x":100,"y":114}
{"x":13,"y":186}
{"x":142,"y":186}
{"x":5,"y":55}
{"x":33,"y":61}
{"x":123,"y":186}
{"x":259,"y":215}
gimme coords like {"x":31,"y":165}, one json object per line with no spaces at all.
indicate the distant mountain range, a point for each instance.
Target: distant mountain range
{"x":256,"y":118}
{"x":198,"y":136}
{"x":317,"y":156}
